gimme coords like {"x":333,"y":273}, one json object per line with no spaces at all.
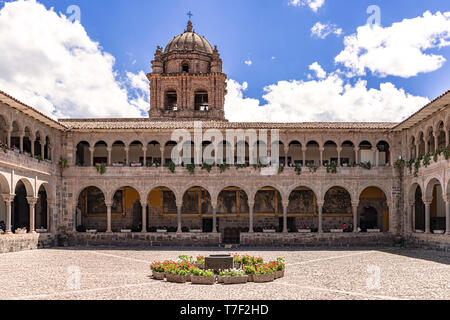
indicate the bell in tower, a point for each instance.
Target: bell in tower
{"x":186,"y":82}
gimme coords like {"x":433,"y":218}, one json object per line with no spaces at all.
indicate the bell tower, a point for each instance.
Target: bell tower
{"x":186,"y":82}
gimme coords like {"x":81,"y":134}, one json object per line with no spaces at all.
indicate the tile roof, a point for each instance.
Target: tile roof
{"x":143,"y":124}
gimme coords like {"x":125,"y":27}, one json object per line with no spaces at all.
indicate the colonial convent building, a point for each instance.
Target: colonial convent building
{"x":115,"y":181}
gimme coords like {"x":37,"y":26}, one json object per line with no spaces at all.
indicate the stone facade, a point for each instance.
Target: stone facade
{"x":47,"y":165}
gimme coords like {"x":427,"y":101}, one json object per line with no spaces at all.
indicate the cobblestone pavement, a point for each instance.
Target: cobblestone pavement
{"x":117,"y":273}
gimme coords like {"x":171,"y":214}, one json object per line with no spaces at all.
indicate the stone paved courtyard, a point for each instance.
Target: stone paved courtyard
{"x":117,"y":273}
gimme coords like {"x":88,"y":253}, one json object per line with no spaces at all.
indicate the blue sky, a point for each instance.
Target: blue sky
{"x":274,"y":35}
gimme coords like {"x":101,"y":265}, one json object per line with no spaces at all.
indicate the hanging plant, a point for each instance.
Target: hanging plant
{"x":171,"y":166}
{"x":191,"y":168}
{"x":223,"y":167}
{"x":366,"y":165}
{"x":298,"y":169}
{"x":410,"y":165}
{"x":399,"y":165}
{"x":241,"y":166}
{"x":101,"y":168}
{"x":331,"y":167}
{"x":280,"y":169}
{"x":4,"y":147}
{"x":416,"y":167}
{"x":207,"y":167}
{"x":447,"y":153}
{"x":312,"y":168}
{"x":39,"y":158}
{"x":426,"y":160}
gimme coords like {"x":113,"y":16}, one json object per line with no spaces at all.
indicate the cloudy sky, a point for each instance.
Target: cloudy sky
{"x":286,"y":60}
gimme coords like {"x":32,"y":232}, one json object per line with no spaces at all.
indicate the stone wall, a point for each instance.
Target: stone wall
{"x":145,"y":239}
{"x":319,"y":240}
{"x":428,"y":241}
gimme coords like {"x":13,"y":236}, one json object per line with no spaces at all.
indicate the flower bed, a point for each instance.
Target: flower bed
{"x":247,"y":269}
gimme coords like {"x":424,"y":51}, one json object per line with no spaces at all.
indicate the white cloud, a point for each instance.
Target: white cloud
{"x":320,"y":73}
{"x":399,"y":50}
{"x":324,"y":30}
{"x":51,"y":64}
{"x":248,"y":62}
{"x":327,"y":99}
{"x":313,"y":4}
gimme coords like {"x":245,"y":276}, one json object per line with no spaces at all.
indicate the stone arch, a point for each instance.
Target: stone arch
{"x":83,"y":154}
{"x":162,"y":208}
{"x":100,"y":155}
{"x":4,"y":184}
{"x":4,"y":129}
{"x":41,"y":213}
{"x":91,"y":211}
{"x":28,"y":186}
{"x":337,"y":209}
{"x":382,"y":187}
{"x":373,"y":210}
{"x":429,"y":184}
{"x":20,"y":214}
{"x":326,"y":188}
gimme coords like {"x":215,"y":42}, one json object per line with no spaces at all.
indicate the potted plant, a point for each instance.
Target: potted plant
{"x":237,"y":261}
{"x":200,"y":262}
{"x":233,"y":276}
{"x":202,"y":277}
{"x":176,"y":275}
{"x":250,"y":272}
{"x":158,"y":270}
{"x":263,"y":273}
{"x":278,"y":266}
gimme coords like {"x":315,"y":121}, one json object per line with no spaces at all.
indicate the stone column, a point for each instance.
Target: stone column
{"x":320,"y":210}
{"x":108,"y":217}
{"x":427,"y":216}
{"x":144,"y":215}
{"x":32,"y":204}
{"x":321,"y":150}
{"x":109,"y":150}
{"x":91,"y":155}
{"x":436,"y":141}
{"x":127,"y":162}
{"x":304,"y":156}
{"x":286,"y":151}
{"x":413,"y":217}
{"x":144,"y":154}
{"x":355,"y":205}
{"x":339,"y":150}
{"x":8,"y":198}
{"x":42,"y":149}
{"x":377,"y":157}
{"x":179,"y":208}
{"x":162,"y":156}
{"x":356,"y":154}
{"x":21,"y":142}
{"x":447,"y":217}
{"x":51,"y":225}
{"x":426,"y":146}
{"x":251,"y":204}
{"x":8,"y":142}
{"x":417,"y":150}
{"x":285,"y":209}
{"x":214,"y":207}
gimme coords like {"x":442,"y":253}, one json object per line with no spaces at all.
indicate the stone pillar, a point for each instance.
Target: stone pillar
{"x":51,"y":225}
{"x":251,"y":204}
{"x":179,"y":208}
{"x":109,"y":150}
{"x":447,"y":217}
{"x":356,"y":154}
{"x":32,"y":204}
{"x":8,"y":198}
{"x":21,"y":142}
{"x":436,"y":141}
{"x":355,"y":205}
{"x":321,"y":150}
{"x":214,"y":226}
{"x":417,"y":150}
{"x":144,"y":155}
{"x":286,"y":151}
{"x":427,"y":216}
{"x":144,"y":215}
{"x":162,"y":156}
{"x":413,"y":217}
{"x":8,"y":142}
{"x":304,"y":156}
{"x":108,"y":217}
{"x":377,"y":157}
{"x":426,"y":145}
{"x":285,"y":209}
{"x":42,"y":149}
{"x":320,"y":210}
{"x":339,"y":150}
{"x":91,"y":155}
{"x":127,"y":162}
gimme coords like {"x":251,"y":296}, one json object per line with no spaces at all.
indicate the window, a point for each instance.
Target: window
{"x":171,"y":100}
{"x":201,"y":101}
{"x":185,"y":67}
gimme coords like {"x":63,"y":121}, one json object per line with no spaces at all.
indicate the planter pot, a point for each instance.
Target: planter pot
{"x":260,"y":278}
{"x":161,"y":231}
{"x":175,"y":278}
{"x":41,"y":230}
{"x":304,"y":230}
{"x":373,"y":230}
{"x":203,"y":280}
{"x":91,"y":231}
{"x":235,"y":280}
{"x":158,"y":275}
{"x":220,"y":279}
{"x":269,"y":231}
{"x":279,"y":274}
{"x":438,"y":231}
{"x":336,"y":231}
{"x":420,"y":231}
{"x":251,"y":278}
{"x":196,"y":231}
{"x":125,"y":230}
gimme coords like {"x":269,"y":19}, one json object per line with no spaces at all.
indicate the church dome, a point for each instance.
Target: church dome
{"x":189,"y":41}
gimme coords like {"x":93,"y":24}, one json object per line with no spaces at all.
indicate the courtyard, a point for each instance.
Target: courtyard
{"x":124,"y":273}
